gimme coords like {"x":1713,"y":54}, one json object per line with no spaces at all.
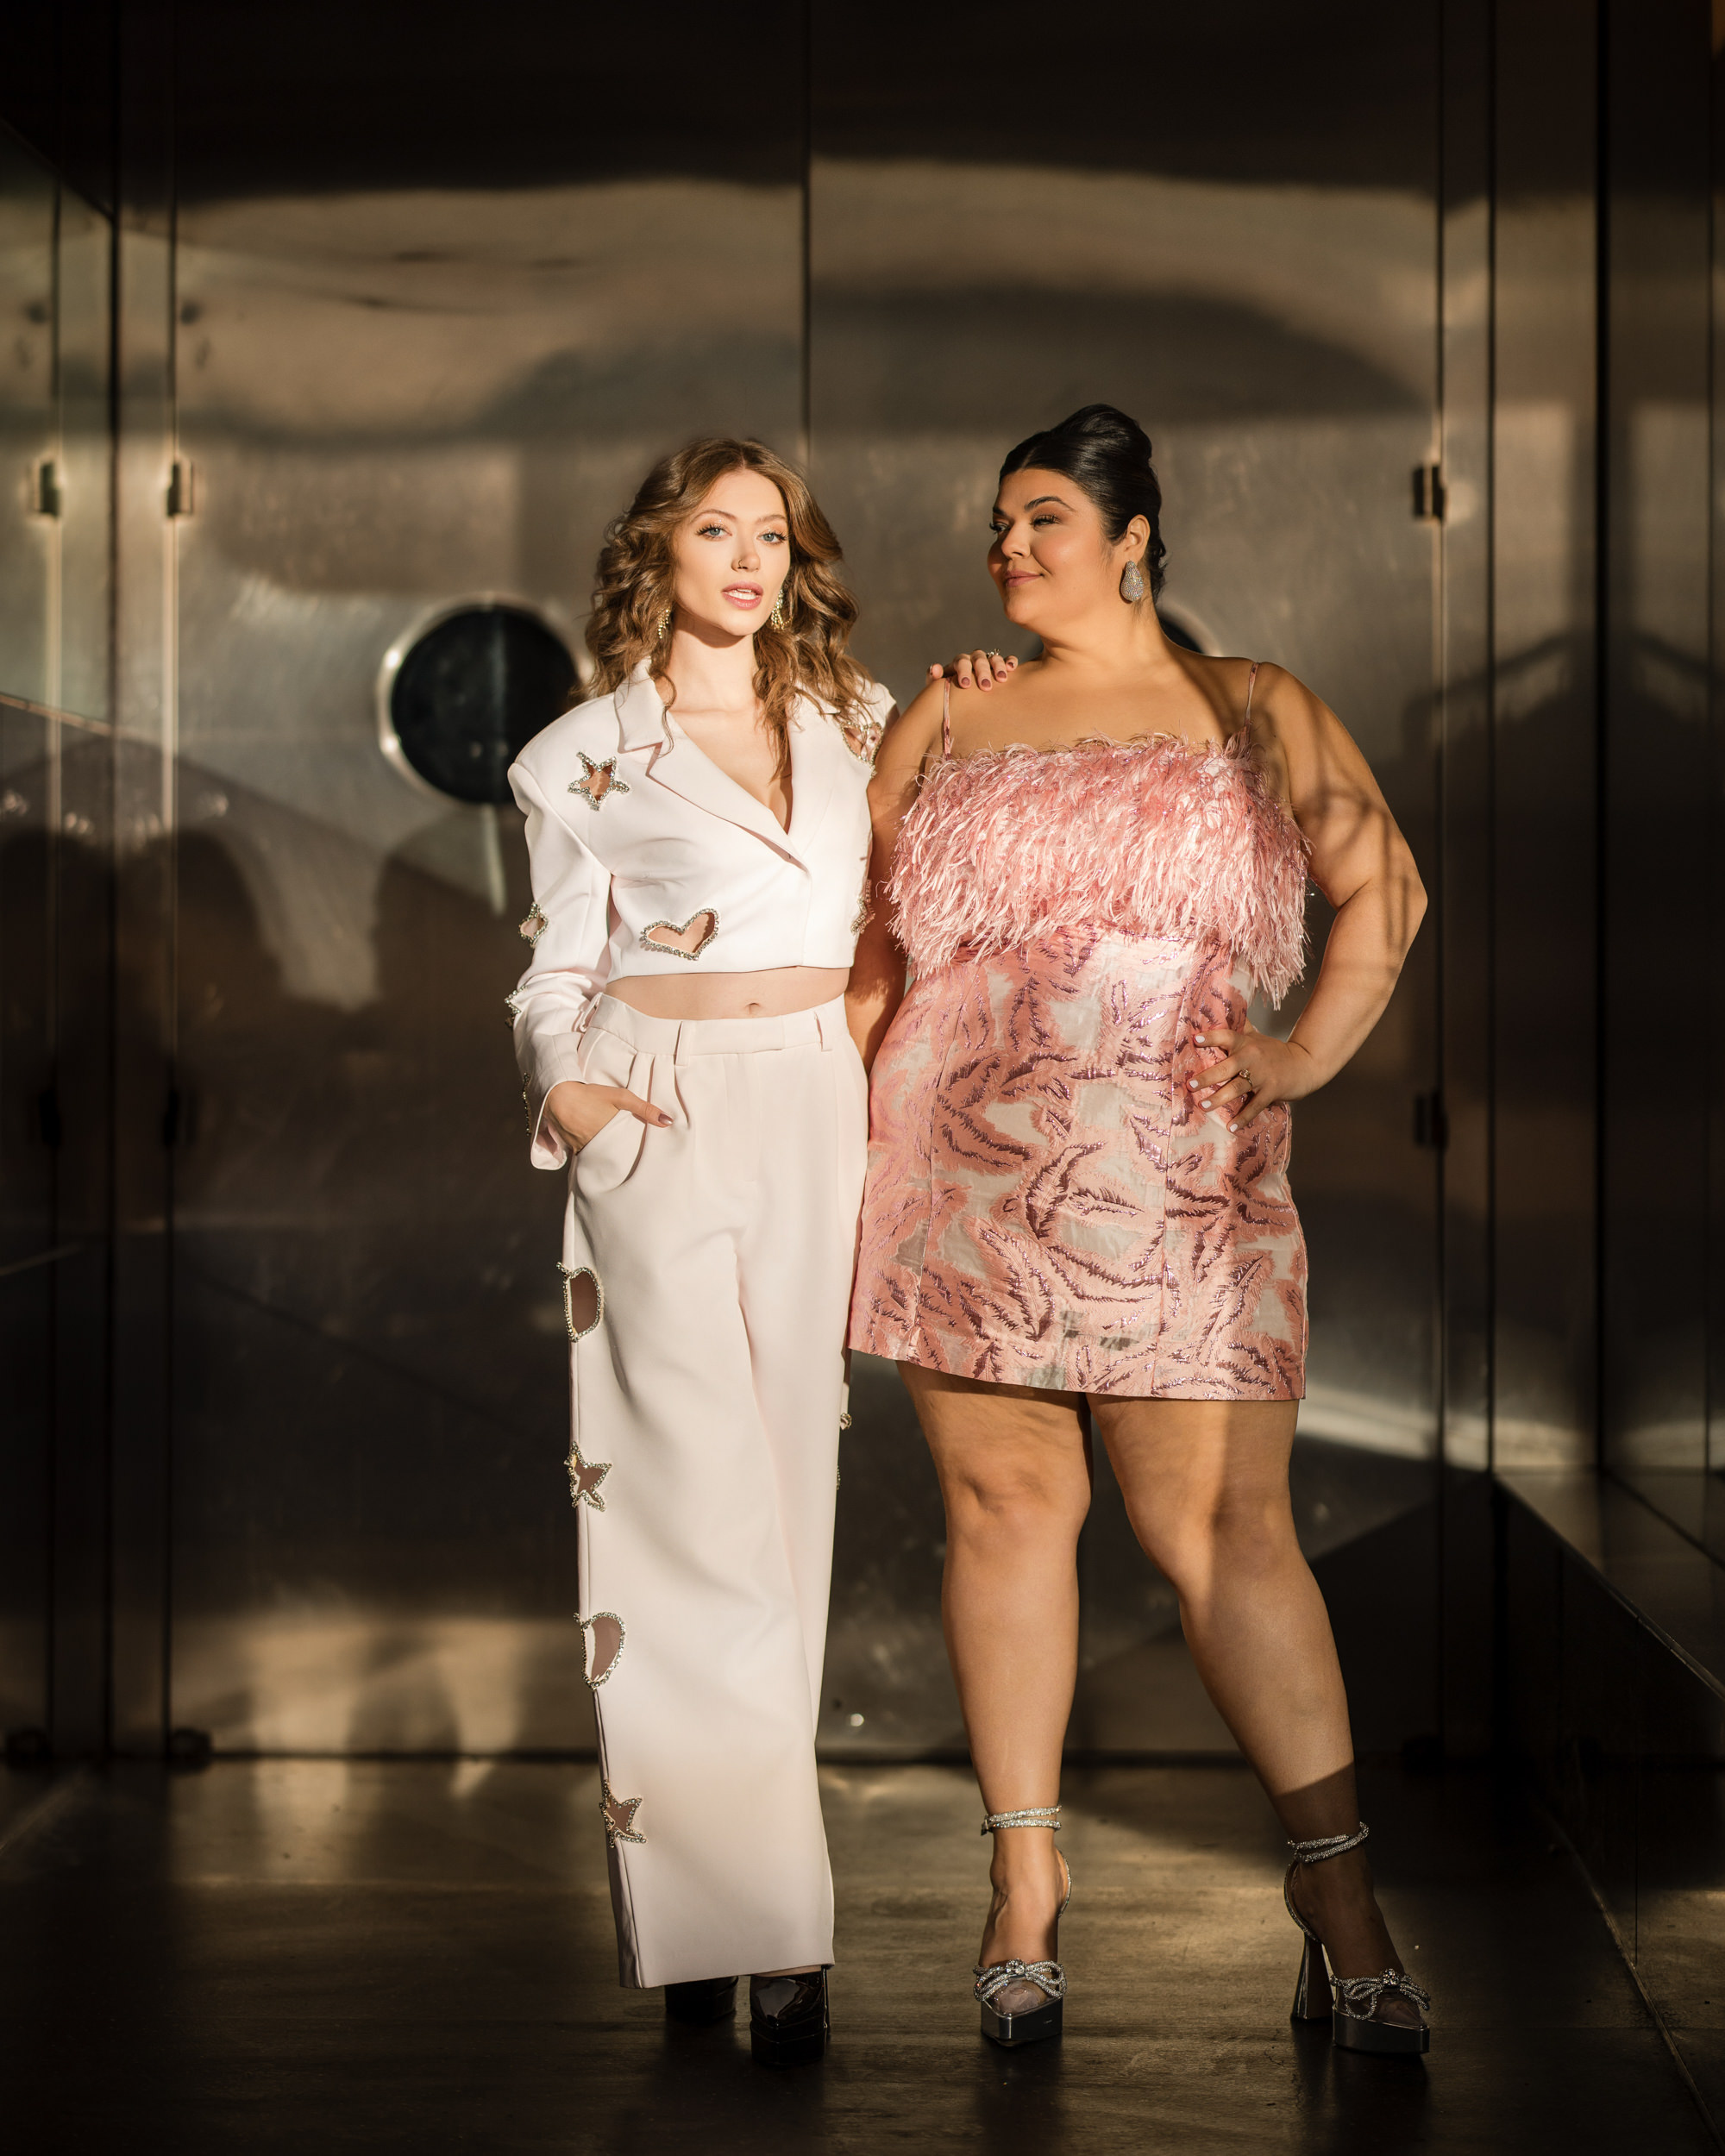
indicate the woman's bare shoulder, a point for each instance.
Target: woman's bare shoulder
{"x":909,"y":737}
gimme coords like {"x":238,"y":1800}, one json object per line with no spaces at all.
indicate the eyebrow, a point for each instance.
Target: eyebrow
{"x":998,"y":511}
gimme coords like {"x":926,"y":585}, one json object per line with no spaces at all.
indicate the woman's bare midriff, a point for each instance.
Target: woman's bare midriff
{"x":731,"y":995}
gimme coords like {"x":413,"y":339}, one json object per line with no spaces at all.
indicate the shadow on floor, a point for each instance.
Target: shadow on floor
{"x":346,"y":1955}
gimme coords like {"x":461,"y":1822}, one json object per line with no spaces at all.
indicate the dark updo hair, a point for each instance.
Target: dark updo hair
{"x":1109,"y":456}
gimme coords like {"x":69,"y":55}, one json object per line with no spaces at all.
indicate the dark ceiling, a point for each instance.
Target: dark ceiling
{"x":331,"y":95}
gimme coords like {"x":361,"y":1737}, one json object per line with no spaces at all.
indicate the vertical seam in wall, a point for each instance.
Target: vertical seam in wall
{"x":1491,"y":691}
{"x":1715,"y":1281}
{"x":1711,"y":1280}
{"x":1439,"y":912}
{"x":51,"y":940}
{"x":805,"y":443}
{"x":110,"y":1256}
{"x":1601,"y":688}
{"x":170,"y":739}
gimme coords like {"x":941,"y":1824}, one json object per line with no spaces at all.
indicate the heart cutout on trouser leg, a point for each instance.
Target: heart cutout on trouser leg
{"x":606,"y":1629}
{"x":683,"y":939}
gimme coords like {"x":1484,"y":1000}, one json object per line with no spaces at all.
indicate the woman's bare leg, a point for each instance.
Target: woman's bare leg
{"x":1205,"y":1488}
{"x":1014,"y":1472}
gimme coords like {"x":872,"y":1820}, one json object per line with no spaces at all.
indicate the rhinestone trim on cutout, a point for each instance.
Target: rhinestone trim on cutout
{"x":682,"y":928}
{"x":584,"y":1477}
{"x":571,"y":1275}
{"x":587,"y":1625}
{"x":617,"y":1830}
{"x":590,"y":771}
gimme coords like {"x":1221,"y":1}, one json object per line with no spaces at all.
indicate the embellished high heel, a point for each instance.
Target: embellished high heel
{"x":1021,"y":2000}
{"x":1321,"y":1997}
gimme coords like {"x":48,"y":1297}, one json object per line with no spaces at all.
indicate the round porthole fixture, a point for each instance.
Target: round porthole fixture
{"x":465,"y":689}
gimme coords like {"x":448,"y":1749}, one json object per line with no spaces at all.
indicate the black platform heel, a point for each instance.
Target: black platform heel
{"x":1022,"y":2001}
{"x":1321,"y":1997}
{"x":705,"y":2000}
{"x":788,"y":2021}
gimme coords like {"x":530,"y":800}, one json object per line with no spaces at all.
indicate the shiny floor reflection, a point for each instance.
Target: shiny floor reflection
{"x":273,"y":1955}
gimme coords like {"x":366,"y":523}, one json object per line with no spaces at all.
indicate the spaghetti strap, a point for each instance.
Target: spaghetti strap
{"x":945,"y":720}
{"x":1251,"y":684}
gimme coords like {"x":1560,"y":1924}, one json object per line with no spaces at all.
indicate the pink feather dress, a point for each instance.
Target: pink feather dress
{"x":1046,"y":1205}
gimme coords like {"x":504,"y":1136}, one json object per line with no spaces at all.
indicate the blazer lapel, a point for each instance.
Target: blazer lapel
{"x":816,"y":746}
{"x":643,"y":722}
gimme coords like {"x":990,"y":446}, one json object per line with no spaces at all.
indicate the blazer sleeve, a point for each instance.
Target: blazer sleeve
{"x":570,"y":930}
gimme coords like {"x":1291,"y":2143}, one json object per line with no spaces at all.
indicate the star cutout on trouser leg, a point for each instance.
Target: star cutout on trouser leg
{"x":598,"y":780}
{"x":584,"y":1477}
{"x":619,"y":1814}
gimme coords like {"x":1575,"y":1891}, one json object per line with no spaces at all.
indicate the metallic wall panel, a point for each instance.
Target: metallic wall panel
{"x":28,"y":542}
{"x":1660,"y":806}
{"x":28,"y":199}
{"x":1463,"y":910}
{"x":55,"y":442}
{"x":26,"y":1218}
{"x":1716,"y":923}
{"x":1544,"y":1013}
{"x":399,"y":382}
{"x":1276,"y":330}
{"x":143,"y":916}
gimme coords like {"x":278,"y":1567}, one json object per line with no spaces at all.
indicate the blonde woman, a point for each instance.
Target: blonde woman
{"x":699,"y":832}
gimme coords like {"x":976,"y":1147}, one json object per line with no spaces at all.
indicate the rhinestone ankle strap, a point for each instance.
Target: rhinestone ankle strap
{"x":1038,"y":1815}
{"x":1333,"y":1845}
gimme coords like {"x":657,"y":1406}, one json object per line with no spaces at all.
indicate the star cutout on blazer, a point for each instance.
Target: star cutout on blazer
{"x":584,"y":1477}
{"x":598,"y":781}
{"x":619,"y":1814}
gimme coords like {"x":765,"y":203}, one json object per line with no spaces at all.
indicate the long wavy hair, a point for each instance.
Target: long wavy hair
{"x":636,"y":576}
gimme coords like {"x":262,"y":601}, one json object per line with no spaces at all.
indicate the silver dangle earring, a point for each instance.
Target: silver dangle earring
{"x":1132,"y":584}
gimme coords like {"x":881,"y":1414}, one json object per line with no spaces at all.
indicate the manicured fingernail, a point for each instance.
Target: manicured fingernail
{"x":1191,"y":1085}
{"x":1199,"y":1037}
{"x":1234,"y":1127}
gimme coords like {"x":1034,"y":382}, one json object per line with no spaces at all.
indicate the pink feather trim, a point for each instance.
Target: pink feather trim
{"x":1151,"y":837}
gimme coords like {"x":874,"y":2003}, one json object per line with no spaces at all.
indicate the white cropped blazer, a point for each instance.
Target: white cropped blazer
{"x":647,"y":859}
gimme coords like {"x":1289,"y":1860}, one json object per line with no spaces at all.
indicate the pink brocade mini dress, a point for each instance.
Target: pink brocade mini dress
{"x":1046,"y":1205}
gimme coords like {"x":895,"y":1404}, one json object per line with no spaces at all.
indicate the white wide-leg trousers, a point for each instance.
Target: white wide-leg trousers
{"x":706,"y":1274}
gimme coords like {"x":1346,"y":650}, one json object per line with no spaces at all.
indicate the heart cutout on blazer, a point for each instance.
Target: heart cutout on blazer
{"x":683,"y":939}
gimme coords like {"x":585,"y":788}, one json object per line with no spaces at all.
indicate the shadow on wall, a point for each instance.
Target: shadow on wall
{"x":372,"y":1546}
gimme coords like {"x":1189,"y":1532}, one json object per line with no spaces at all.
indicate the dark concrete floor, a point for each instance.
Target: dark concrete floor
{"x":319,"y":1955}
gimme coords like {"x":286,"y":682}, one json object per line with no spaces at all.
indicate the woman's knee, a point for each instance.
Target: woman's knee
{"x":994,"y":1502}
{"x":1220,"y":1536}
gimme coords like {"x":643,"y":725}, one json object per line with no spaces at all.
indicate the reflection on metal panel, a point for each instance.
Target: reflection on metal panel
{"x":392,"y":396}
{"x":1543,"y":749}
{"x":1277,"y":335}
{"x":1462,"y":919}
{"x":1659,"y":800}
{"x":28,"y":445}
{"x":54,"y":890}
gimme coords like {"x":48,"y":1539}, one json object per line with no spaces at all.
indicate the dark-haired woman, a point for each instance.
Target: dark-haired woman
{"x":1077,"y":1188}
{"x":699,"y":833}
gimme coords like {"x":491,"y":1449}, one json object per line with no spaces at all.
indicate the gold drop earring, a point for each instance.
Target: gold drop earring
{"x":664,"y":623}
{"x":777,"y":615}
